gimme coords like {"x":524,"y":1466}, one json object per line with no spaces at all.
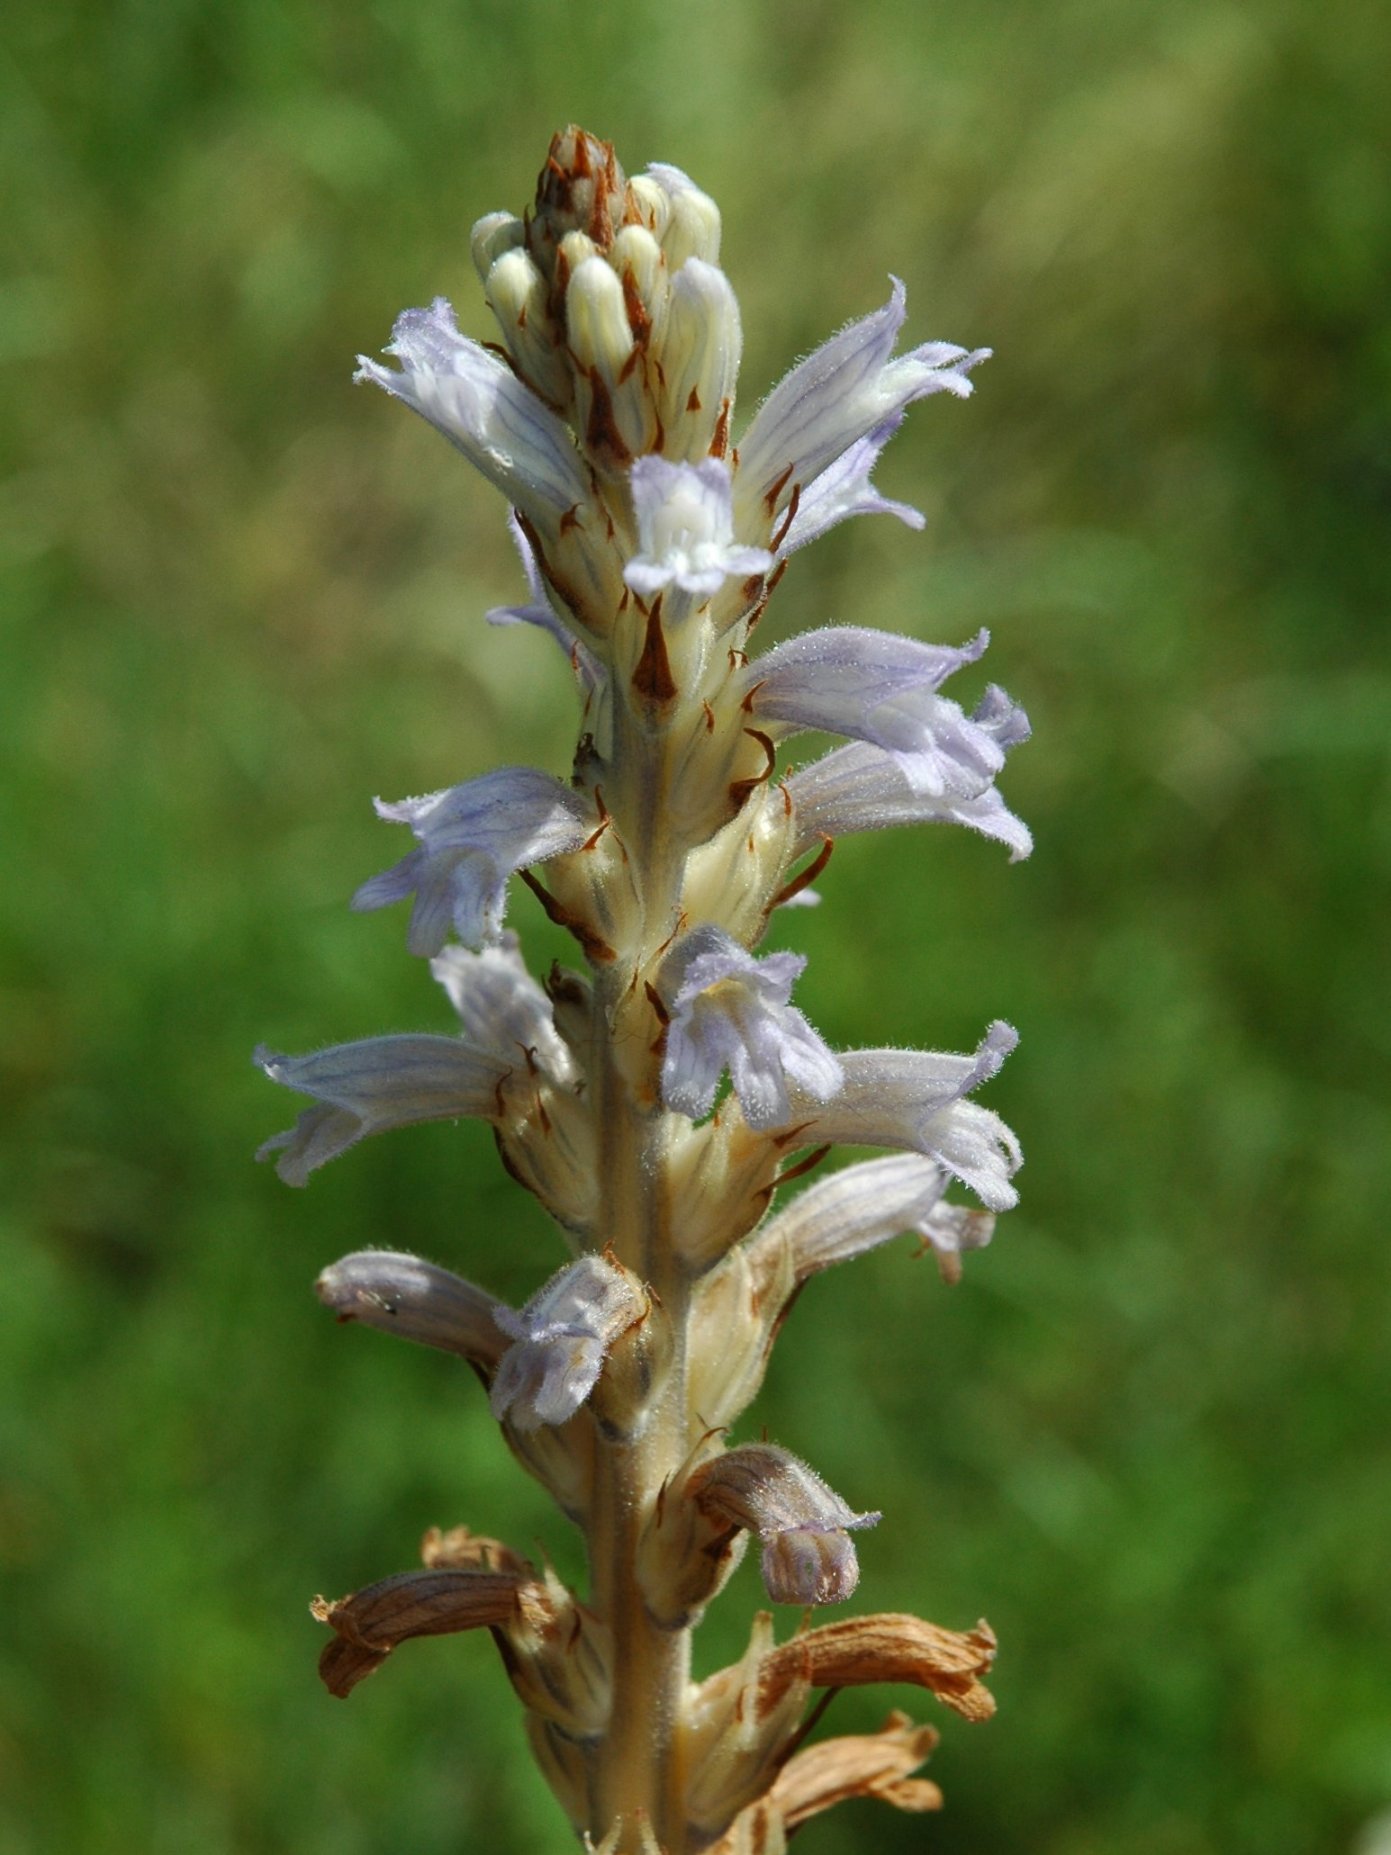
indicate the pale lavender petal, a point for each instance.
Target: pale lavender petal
{"x":503,"y":1010}
{"x":847,"y":389}
{"x":804,"y":1525}
{"x":481,"y":406}
{"x":729,"y":1010}
{"x":402,"y":1294}
{"x":367,"y":1087}
{"x":863,"y":788}
{"x":560,"y":1340}
{"x":882,"y":689}
{"x":472,"y":838}
{"x":914,"y":1099}
{"x":686,"y":530}
{"x":843,"y":489}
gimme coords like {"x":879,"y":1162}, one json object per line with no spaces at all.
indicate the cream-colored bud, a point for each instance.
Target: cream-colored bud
{"x":653,"y":201}
{"x":694,"y":228}
{"x":700,"y":361}
{"x":575,"y":247}
{"x":733,"y":878}
{"x":516,"y":293}
{"x":638,"y":260}
{"x":596,"y":321}
{"x":491,"y":236}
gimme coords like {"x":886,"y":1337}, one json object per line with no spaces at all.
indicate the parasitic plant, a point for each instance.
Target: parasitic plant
{"x":651,"y":544}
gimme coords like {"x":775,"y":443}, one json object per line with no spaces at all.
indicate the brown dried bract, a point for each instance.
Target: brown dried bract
{"x":888,"y":1647}
{"x":371,"y":1622}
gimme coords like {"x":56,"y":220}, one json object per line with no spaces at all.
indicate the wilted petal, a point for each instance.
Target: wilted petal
{"x":893,"y":1647}
{"x":686,"y":531}
{"x":404,"y":1295}
{"x":365,"y":1088}
{"x":369,"y":1624}
{"x":482,"y":407}
{"x":877,"y":1765}
{"x":849,"y":388}
{"x":730,"y":1010}
{"x":472,"y":838}
{"x":863,"y":788}
{"x":560,"y":1339}
{"x":808,"y":1557}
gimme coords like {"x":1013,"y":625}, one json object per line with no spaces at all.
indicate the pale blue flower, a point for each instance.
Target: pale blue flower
{"x":730,"y":1010}
{"x":883,"y":689}
{"x":915,"y":1099}
{"x":848,"y":390}
{"x":417,"y":1300}
{"x":863,"y":788}
{"x":472,"y":838}
{"x":863,"y":1206}
{"x":843,"y":489}
{"x":367,"y":1087}
{"x":503,"y":1010}
{"x":481,"y":406}
{"x":804,"y":1525}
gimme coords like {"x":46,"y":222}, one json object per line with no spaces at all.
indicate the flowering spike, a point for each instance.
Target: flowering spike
{"x":652,"y":537}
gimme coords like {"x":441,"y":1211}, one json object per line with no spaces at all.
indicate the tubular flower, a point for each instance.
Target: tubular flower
{"x":652,"y":533}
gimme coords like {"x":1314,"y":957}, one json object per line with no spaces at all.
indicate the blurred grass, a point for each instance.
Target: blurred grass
{"x":1148,"y":1435}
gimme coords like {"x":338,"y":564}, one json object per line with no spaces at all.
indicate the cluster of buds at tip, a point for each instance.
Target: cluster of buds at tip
{"x":658,"y":1097}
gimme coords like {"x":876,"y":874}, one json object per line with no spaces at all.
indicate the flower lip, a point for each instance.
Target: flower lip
{"x":686,"y":529}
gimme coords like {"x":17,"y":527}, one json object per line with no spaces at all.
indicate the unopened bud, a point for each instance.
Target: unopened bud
{"x":491,"y":236}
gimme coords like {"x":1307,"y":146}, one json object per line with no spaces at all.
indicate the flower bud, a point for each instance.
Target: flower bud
{"x":492,"y":235}
{"x":517,"y":295}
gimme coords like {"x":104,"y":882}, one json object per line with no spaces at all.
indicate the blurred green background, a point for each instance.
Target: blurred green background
{"x":1148,"y":1436}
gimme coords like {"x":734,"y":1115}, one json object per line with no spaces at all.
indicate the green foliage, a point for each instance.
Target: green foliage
{"x":1147,"y":1435}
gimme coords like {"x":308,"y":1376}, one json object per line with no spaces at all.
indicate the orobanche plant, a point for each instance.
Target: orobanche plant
{"x":651,"y":543}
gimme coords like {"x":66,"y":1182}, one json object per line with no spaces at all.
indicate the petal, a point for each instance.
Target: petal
{"x":481,"y":406}
{"x":560,"y":1340}
{"x":685,"y":529}
{"x":844,"y":391}
{"x":843,"y":489}
{"x":473,"y":837}
{"x":402,"y":1294}
{"x":883,"y":689}
{"x":729,"y":1009}
{"x":864,"y":788}
{"x":914,"y":1099}
{"x":365,"y":1088}
{"x":503,"y":1010}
